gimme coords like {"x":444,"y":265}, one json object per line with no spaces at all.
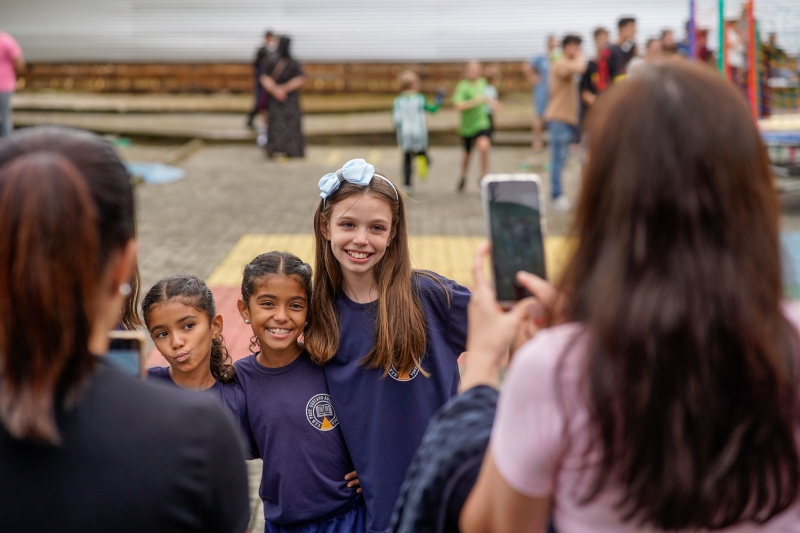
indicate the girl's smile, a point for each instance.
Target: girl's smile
{"x":359,"y":257}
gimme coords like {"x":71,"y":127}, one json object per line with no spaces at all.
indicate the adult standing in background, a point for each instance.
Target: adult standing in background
{"x":588,"y":85}
{"x":282,"y":78}
{"x":269,"y":46}
{"x":12,"y":64}
{"x":614,"y":60}
{"x":538,"y":72}
{"x":668,"y":44}
{"x":562,"y":113}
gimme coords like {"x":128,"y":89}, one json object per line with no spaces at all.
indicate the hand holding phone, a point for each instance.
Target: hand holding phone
{"x":512,"y":205}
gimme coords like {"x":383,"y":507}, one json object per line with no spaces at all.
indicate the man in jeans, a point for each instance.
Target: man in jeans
{"x":562,"y":112}
{"x":11,"y":64}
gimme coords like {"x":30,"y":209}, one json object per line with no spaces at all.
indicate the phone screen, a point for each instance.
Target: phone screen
{"x":126,"y":354}
{"x":516,"y":234}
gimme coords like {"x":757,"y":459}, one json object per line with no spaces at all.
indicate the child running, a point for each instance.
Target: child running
{"x":307,"y":482}
{"x":180,"y":315}
{"x":469,"y":98}
{"x":408,"y":115}
{"x":389,"y":336}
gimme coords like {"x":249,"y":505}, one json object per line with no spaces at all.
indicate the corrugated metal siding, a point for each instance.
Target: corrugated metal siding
{"x":323,"y":30}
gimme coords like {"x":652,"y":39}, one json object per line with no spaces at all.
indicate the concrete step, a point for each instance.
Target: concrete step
{"x":348,"y":128}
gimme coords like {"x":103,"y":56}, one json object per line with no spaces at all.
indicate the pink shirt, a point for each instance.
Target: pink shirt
{"x":9,"y":51}
{"x":528,"y":439}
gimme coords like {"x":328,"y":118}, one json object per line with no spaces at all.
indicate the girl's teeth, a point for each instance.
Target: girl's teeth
{"x":279,"y":331}
{"x":358,"y":255}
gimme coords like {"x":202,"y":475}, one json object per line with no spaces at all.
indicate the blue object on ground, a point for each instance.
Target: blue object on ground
{"x":155,"y":173}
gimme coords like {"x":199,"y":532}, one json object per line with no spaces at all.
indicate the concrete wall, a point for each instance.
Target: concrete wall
{"x":223,"y":31}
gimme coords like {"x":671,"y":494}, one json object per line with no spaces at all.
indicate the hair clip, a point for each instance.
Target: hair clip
{"x":355,"y":171}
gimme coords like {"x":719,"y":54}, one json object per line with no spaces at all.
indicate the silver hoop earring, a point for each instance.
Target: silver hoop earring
{"x":125,"y":289}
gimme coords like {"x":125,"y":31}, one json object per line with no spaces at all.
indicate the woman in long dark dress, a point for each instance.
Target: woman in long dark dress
{"x":282,"y":77}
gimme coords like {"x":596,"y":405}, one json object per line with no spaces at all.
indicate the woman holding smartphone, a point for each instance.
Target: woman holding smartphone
{"x":665,"y":395}
{"x":93,"y":448}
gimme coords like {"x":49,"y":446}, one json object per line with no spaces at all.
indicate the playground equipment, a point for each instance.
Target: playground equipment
{"x":757,"y":46}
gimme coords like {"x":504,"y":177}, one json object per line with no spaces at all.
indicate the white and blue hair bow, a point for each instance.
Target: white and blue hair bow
{"x":356,"y":171}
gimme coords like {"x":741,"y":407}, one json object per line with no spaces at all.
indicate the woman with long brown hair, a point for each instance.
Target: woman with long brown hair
{"x":665,"y":395}
{"x":83,"y":446}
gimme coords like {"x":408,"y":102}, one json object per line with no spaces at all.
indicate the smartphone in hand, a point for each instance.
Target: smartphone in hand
{"x":126,"y":351}
{"x":513,"y":209}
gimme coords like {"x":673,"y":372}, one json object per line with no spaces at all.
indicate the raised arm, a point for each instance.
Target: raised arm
{"x":565,"y":68}
{"x":494,"y":506}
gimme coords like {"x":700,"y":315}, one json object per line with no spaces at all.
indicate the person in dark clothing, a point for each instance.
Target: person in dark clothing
{"x":614,"y":60}
{"x":84,"y":446}
{"x":269,"y":47}
{"x":588,"y":86}
{"x":282,"y":78}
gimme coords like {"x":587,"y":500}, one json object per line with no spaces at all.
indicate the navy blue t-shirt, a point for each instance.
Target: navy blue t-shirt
{"x":230,"y":394}
{"x":383,"y":419}
{"x":291,"y":424}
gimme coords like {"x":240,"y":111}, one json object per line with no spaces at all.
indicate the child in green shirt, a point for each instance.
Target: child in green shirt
{"x":408,"y":115}
{"x":469,"y":98}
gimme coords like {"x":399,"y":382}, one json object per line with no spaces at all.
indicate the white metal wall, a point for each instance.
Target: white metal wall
{"x":322,"y":30}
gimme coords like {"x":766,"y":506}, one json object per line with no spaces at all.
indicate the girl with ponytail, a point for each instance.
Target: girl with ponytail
{"x":182,"y":319}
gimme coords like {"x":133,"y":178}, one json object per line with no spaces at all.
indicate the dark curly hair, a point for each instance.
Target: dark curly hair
{"x":270,"y":263}
{"x":193,"y":291}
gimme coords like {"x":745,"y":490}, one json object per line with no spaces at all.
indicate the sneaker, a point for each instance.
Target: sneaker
{"x":261,"y":140}
{"x":422,"y":167}
{"x":562,"y":204}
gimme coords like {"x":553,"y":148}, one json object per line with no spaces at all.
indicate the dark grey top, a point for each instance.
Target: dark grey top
{"x":135,"y":456}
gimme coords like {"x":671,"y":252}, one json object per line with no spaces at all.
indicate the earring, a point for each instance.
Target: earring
{"x":246,"y":320}
{"x":125,"y":289}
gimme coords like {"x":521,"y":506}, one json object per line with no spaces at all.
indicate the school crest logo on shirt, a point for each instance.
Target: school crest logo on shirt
{"x":403,"y":376}
{"x":320,"y":413}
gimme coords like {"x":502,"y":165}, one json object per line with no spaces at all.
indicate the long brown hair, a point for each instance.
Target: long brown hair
{"x":691,"y":375}
{"x":400,"y":336}
{"x":60,"y":221}
{"x":193,"y":291}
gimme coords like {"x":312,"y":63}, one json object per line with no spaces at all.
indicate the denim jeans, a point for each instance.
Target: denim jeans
{"x":6,"y":127}
{"x":561,"y":136}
